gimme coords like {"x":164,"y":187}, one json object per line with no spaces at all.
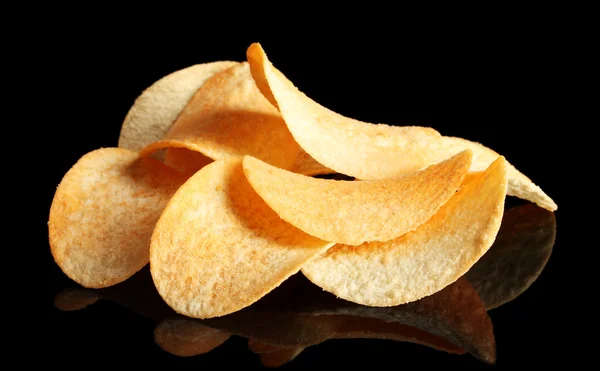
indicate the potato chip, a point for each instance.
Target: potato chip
{"x":158,"y":106}
{"x":517,"y":257}
{"x":185,"y":160}
{"x":421,"y":262}
{"x":348,"y":146}
{"x":518,"y":184}
{"x":354,"y":212}
{"x":103,"y":214}
{"x":229,"y":118}
{"x":307,"y":165}
{"x":186,"y":338}
{"x":218,"y":247}
{"x":280,"y":357}
{"x":368,"y":151}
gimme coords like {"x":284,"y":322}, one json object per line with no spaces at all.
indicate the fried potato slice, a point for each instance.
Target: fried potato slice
{"x":518,"y":184}
{"x":103,"y":214}
{"x":228,"y":118}
{"x":367,"y":151}
{"x":218,"y":247}
{"x":517,"y":257}
{"x":307,"y":165}
{"x":348,"y":146}
{"x":355,"y":212}
{"x":424,"y":261}
{"x":158,"y":106}
{"x":186,"y":338}
{"x":185,"y":160}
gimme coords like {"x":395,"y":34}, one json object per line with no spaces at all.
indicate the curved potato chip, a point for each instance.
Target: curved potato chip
{"x":355,"y":212}
{"x":421,"y":262}
{"x":307,"y":165}
{"x":518,"y":184}
{"x":158,"y":106}
{"x":185,"y":161}
{"x":229,"y":118}
{"x":517,"y":257}
{"x":103,"y":214}
{"x":368,"y":151}
{"x":218,"y":247}
{"x":187,"y":338}
{"x":348,"y":146}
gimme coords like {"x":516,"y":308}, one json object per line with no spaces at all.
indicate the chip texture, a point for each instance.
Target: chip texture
{"x":103,"y":213}
{"x":421,"y":262}
{"x":352,"y":212}
{"x":307,"y":165}
{"x":218,"y":247}
{"x":345,"y":145}
{"x":368,"y":151}
{"x":185,"y":161}
{"x":229,"y":118}
{"x":155,"y":110}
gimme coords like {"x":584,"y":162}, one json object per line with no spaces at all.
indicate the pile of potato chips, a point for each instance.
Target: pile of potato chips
{"x":213,"y":184}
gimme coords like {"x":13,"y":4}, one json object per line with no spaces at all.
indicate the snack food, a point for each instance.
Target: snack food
{"x":103,"y":214}
{"x":368,"y":151}
{"x":218,"y":247}
{"x":421,"y":262}
{"x":353,"y":212}
{"x":230,"y":212}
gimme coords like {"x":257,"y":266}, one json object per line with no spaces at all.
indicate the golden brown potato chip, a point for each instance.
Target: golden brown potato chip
{"x":368,"y":151}
{"x":518,"y":184}
{"x":218,"y":247}
{"x":186,"y":338}
{"x":280,"y":357}
{"x":307,"y":165}
{"x":352,"y":212}
{"x":229,"y":118}
{"x":348,"y":146}
{"x":158,"y":106}
{"x":517,"y":257}
{"x":103,"y":214}
{"x":185,"y":161}
{"x":421,"y":262}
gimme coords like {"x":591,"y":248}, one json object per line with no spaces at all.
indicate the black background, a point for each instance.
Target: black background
{"x":498,"y":89}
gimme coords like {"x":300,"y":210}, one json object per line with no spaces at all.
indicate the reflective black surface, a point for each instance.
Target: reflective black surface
{"x":299,"y":317}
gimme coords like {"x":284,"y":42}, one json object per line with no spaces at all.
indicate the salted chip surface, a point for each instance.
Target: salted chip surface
{"x":185,"y":160}
{"x":424,"y":261}
{"x":345,"y":145}
{"x":103,"y":214}
{"x":368,"y":151}
{"x":352,"y":212}
{"x":155,"y":110}
{"x":517,"y":257}
{"x":518,"y":184}
{"x":227,"y":118}
{"x":218,"y":247}
{"x":186,"y":338}
{"x":306,"y":165}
